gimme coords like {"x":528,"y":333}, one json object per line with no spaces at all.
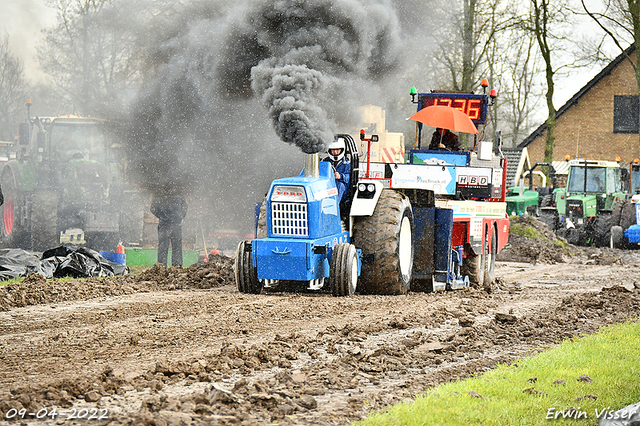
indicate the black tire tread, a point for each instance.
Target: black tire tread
{"x":628,"y":215}
{"x":246,"y":276}
{"x":376,"y":236}
{"x":603,"y":230}
{"x":340,"y":270}
{"x":616,"y":212}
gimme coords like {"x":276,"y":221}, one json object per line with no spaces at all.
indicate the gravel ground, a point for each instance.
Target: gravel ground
{"x":182,"y":346}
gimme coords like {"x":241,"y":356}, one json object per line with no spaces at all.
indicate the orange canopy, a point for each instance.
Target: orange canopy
{"x":445,"y":117}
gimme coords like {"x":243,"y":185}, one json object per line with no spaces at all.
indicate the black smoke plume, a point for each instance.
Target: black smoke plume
{"x":309,"y":53}
{"x":199,"y":120}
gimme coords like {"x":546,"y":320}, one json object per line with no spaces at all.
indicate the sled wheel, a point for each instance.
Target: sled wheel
{"x":246,"y":275}
{"x":387,"y":250}
{"x":343,"y":270}
{"x":490,"y":251}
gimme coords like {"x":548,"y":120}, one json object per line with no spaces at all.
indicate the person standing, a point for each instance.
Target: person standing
{"x":170,"y":208}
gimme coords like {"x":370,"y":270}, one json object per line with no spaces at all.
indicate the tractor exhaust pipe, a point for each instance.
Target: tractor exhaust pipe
{"x":312,"y":165}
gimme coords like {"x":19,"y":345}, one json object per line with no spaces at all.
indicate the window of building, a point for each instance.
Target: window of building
{"x":625,"y":114}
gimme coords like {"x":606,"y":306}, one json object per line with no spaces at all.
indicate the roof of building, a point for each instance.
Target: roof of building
{"x":580,"y":93}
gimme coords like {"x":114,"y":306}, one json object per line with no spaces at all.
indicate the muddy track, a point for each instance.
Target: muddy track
{"x":171,"y":347}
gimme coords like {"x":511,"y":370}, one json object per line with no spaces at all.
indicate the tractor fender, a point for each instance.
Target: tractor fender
{"x":364,"y":202}
{"x":24,"y":174}
{"x":14,"y":168}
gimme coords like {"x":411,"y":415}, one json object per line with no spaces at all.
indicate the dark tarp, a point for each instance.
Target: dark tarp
{"x":63,"y":261}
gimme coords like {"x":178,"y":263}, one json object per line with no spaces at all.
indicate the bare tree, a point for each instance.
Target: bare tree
{"x":514,"y":71}
{"x":464,"y":51}
{"x":547,"y":21}
{"x":12,"y":90}
{"x":90,"y":54}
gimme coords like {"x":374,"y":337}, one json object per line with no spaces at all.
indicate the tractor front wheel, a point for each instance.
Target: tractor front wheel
{"x":603,"y":230}
{"x":385,"y":239}
{"x":343,"y":270}
{"x":246,"y":275}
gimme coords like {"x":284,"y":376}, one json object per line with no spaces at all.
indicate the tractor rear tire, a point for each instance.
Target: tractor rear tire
{"x":343,"y":275}
{"x":44,"y":221}
{"x":385,"y":239}
{"x":490,"y":251}
{"x":628,"y":215}
{"x":549,"y":217}
{"x":616,"y":213}
{"x":546,"y":200}
{"x":246,"y":275}
{"x":14,"y":232}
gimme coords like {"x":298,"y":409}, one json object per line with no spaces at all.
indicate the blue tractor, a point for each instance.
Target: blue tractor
{"x":380,"y":241}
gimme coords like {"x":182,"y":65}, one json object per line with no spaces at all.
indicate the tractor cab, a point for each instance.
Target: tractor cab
{"x":592,"y":187}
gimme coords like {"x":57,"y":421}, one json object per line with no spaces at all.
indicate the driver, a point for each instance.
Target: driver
{"x":341,"y":166}
{"x":445,"y":139}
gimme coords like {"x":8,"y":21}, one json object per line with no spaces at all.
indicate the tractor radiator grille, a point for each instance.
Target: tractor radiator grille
{"x":289,"y":219}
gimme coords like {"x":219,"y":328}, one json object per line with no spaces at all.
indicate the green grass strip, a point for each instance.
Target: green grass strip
{"x":611,"y":358}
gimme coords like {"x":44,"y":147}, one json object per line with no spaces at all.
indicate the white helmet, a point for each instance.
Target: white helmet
{"x":337,"y":143}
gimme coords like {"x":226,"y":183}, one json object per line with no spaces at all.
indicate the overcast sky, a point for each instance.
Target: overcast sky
{"x":23,"y":21}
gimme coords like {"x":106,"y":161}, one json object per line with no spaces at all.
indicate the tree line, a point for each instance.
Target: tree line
{"x":100,"y":52}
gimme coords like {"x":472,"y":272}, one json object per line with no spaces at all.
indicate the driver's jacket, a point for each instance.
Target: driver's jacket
{"x":342,"y":166}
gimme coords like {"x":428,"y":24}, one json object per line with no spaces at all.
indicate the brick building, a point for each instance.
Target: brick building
{"x":600,"y":121}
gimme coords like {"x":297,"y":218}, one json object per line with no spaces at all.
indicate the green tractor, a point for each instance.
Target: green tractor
{"x":65,"y":184}
{"x":521,"y":200}
{"x":585,"y":206}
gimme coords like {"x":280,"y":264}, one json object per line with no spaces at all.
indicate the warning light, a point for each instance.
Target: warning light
{"x":484,"y":83}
